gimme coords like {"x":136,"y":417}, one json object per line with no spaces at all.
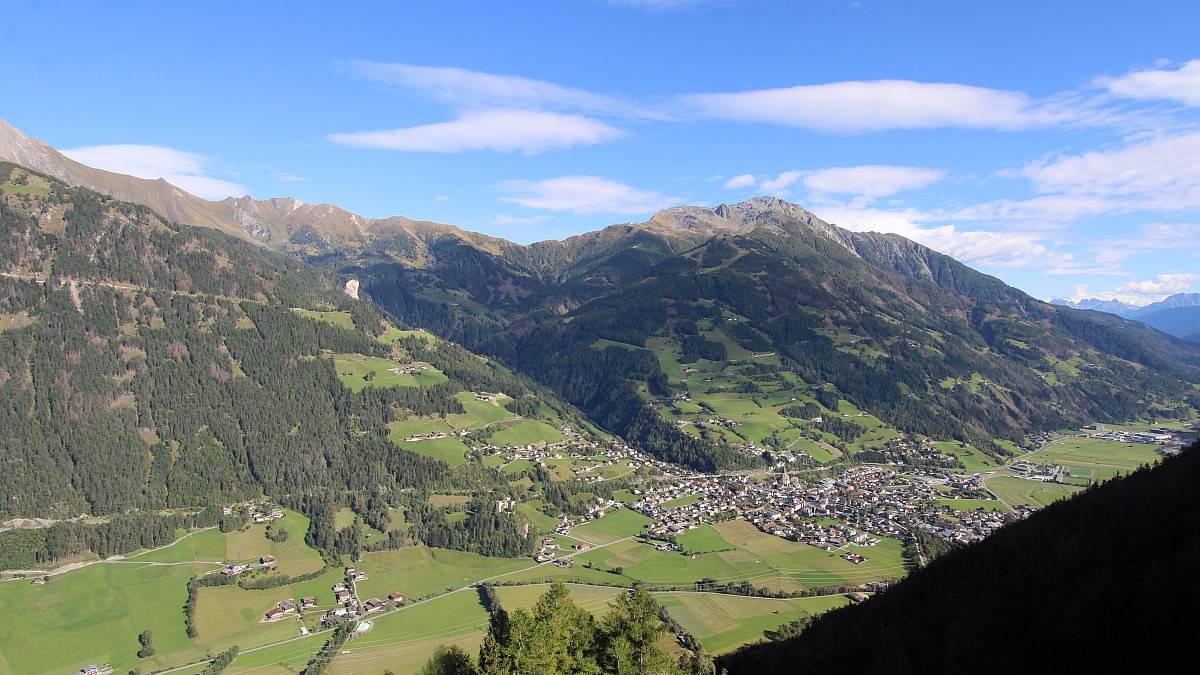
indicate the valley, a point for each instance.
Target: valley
{"x":707,"y":419}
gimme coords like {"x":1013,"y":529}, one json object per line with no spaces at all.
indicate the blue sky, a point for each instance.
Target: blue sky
{"x":1055,"y":145}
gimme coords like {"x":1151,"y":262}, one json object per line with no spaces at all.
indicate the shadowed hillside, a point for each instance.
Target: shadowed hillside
{"x":1104,"y":582}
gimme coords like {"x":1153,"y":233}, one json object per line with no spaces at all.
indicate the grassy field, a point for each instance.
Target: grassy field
{"x":358,"y":372}
{"x":1036,"y":494}
{"x":403,"y":641}
{"x":525,"y":432}
{"x":614,"y":525}
{"x":419,"y":571}
{"x":704,"y":539}
{"x":1097,"y":459}
{"x":449,"y":449}
{"x":285,"y":659}
{"x":94,"y":615}
{"x":595,"y":599}
{"x":762,"y":559}
{"x":971,"y":457}
{"x":723,"y":622}
{"x":336,"y":318}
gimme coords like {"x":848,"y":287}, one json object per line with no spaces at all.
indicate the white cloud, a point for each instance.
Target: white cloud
{"x":743,"y":181}
{"x":475,"y":90}
{"x":177,"y":167}
{"x":1160,"y":174}
{"x":584,"y":195}
{"x":878,"y":105}
{"x":441,"y":198}
{"x":527,"y":131}
{"x":779,"y":185}
{"x":1157,"y":175}
{"x":872,"y":181}
{"x":988,"y":248}
{"x":1160,"y":285}
{"x":1181,"y":85}
{"x":287,"y":177}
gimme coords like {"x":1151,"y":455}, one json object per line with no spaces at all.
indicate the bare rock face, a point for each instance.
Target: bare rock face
{"x":352,"y":288}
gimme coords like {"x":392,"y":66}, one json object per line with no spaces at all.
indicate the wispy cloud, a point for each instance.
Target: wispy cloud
{"x":1161,"y":174}
{"x":1181,"y":84}
{"x":779,"y":185}
{"x":872,"y":181}
{"x":584,"y":195}
{"x":527,"y":131}
{"x":182,"y":169}
{"x":858,"y":107}
{"x":1004,"y":249}
{"x":287,"y":177}
{"x":474,"y":90}
{"x":868,"y":181}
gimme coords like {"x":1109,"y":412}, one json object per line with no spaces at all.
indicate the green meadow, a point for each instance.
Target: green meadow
{"x":358,"y":372}
{"x":341,"y":319}
{"x":1097,"y":459}
{"x":419,"y":571}
{"x":724,"y":622}
{"x":402,"y":641}
{"x":614,"y":525}
{"x":1032,"y":493}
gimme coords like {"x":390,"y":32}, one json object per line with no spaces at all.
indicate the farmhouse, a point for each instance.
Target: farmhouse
{"x":396,"y":598}
{"x":375,"y":605}
{"x":308,"y":601}
{"x":267,"y":560}
{"x":274,"y":614}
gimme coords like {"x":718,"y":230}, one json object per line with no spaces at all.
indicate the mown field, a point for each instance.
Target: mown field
{"x":724,"y":622}
{"x":94,"y":614}
{"x":404,"y":640}
{"x":1097,"y":459}
{"x":419,"y":571}
{"x":1032,"y":493}
{"x":358,"y":372}
{"x":614,"y":525}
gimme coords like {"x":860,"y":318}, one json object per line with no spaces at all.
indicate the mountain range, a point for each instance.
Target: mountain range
{"x":921,"y":341}
{"x":1177,"y":315}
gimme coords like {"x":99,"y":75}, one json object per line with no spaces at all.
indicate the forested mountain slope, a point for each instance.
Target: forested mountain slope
{"x":1103,"y":582}
{"x":148,"y":365}
{"x":925,"y":343}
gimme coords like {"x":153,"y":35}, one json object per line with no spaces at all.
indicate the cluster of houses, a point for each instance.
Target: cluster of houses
{"x":903,"y":451}
{"x":602,"y":506}
{"x":865,"y":503}
{"x":575,"y":448}
{"x":546,"y":550}
{"x":348,"y":606}
{"x":426,"y":437}
{"x":407,"y":370}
